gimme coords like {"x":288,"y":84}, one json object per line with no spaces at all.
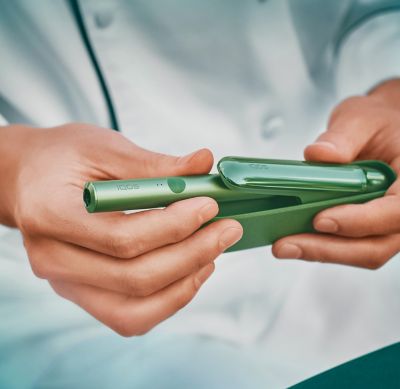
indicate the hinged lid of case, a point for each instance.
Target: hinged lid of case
{"x":269,"y":176}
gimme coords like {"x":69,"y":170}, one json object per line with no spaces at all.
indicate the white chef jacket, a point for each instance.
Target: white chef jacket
{"x":251,"y":78}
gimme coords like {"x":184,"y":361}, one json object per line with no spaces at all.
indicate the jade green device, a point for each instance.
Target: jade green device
{"x":270,"y":198}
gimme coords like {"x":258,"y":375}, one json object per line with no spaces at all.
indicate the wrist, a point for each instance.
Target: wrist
{"x":14,"y":142}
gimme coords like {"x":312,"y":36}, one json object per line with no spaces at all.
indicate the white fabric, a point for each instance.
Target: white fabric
{"x":365,"y":51}
{"x":46,"y":75}
{"x":3,"y":121}
{"x":231,"y":76}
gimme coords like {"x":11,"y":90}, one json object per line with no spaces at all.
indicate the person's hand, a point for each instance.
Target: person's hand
{"x":365,"y":235}
{"x":130,"y":271}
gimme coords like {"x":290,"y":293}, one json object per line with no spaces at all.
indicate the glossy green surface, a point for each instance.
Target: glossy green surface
{"x":269,"y":205}
{"x":261,"y":175}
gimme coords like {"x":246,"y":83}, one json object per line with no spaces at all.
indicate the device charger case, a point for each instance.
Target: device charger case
{"x":292,"y":200}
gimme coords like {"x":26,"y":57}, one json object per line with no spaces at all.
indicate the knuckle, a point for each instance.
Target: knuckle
{"x":198,"y":258}
{"x":44,"y":263}
{"x":38,"y":266}
{"x":80,"y":129}
{"x":144,"y":329}
{"x":152,"y":160}
{"x":203,"y":251}
{"x":353,"y":121}
{"x":39,"y":269}
{"x":58,"y":289}
{"x":374,"y":264}
{"x":138,"y":246}
{"x":388,"y":256}
{"x":126,"y":325}
{"x":177,"y":231}
{"x":351,"y":103}
{"x":138,"y":283}
{"x":186,"y":293}
{"x":212,"y":246}
{"x":354,"y":102}
{"x":377,"y":258}
{"x":27,"y":222}
{"x":121,"y":245}
{"x":123,"y":329}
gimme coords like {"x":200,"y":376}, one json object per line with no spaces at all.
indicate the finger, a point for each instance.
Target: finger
{"x":353,"y":123}
{"x":156,"y":164}
{"x":377,"y":217}
{"x":130,"y":316}
{"x":125,"y":159}
{"x":371,"y":253}
{"x":126,"y":236}
{"x":133,"y":161}
{"x":140,"y":276}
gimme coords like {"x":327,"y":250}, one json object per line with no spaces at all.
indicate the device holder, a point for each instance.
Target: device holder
{"x":293,"y":202}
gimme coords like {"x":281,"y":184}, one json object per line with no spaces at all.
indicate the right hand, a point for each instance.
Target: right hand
{"x":129,"y":271}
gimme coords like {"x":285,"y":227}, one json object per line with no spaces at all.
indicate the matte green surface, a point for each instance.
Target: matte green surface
{"x":270,"y":198}
{"x":379,"y":369}
{"x":265,"y":227}
{"x":122,"y":195}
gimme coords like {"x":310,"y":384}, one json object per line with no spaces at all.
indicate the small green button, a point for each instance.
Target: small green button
{"x":177,"y":185}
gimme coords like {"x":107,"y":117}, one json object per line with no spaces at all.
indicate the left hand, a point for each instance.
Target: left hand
{"x":364,"y":235}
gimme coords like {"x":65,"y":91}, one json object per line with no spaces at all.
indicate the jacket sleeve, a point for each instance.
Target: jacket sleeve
{"x":368,"y":54}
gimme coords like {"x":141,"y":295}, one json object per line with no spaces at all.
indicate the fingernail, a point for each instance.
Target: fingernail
{"x":326,"y":225}
{"x":203,"y":274}
{"x":325,"y":144}
{"x":229,"y":237}
{"x":206,"y":207}
{"x":186,"y":158}
{"x":289,"y":250}
{"x":208,"y":211}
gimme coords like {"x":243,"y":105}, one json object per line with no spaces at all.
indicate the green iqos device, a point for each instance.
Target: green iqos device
{"x":270,"y":198}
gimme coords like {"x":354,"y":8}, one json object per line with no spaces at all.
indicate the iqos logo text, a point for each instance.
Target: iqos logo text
{"x":127,"y":186}
{"x":259,"y":166}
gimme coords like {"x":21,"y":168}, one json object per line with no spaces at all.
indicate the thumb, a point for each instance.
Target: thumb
{"x":350,"y":129}
{"x":157,"y":164}
{"x":110,"y":155}
{"x":142,"y":163}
